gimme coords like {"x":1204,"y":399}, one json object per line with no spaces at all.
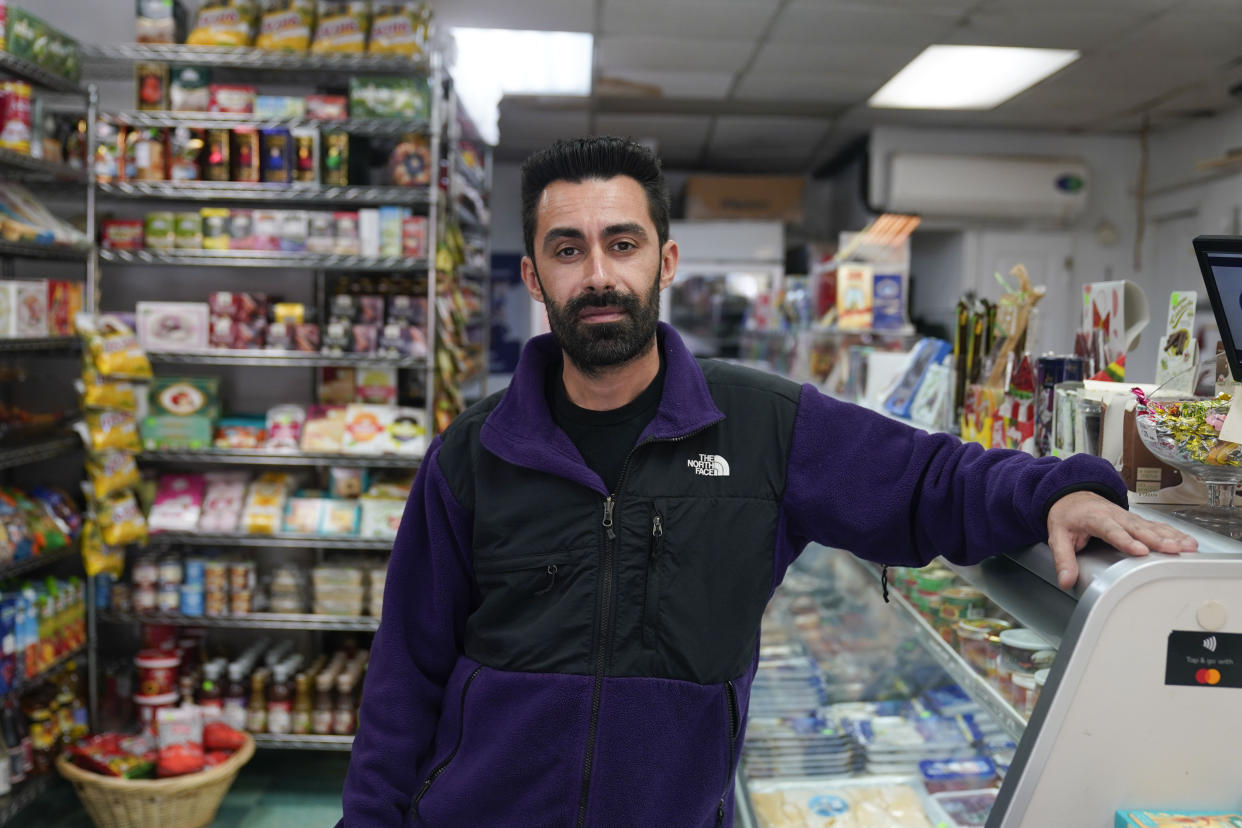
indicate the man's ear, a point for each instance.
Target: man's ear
{"x":531,"y":280}
{"x":669,"y":256}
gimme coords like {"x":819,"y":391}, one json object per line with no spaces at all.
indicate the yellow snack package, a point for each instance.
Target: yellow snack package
{"x":400,"y":28}
{"x":286,"y":25}
{"x":342,"y":26}
{"x":223,"y":23}
{"x":120,"y":520}
{"x":112,"y":347}
{"x":110,"y":431}
{"x":97,"y":556}
{"x":95,"y":392}
{"x":110,"y":472}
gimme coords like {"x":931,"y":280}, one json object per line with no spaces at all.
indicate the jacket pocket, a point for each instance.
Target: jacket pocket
{"x":444,"y":763}
{"x":655,"y":585}
{"x":733,"y":721}
{"x":532,"y":575}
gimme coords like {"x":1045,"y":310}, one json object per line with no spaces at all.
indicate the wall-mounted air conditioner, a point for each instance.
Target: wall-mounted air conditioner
{"x":986,"y":187}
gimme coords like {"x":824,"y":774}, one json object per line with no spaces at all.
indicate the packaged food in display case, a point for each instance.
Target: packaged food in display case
{"x":399,"y":28}
{"x":286,"y":25}
{"x":342,"y":26}
{"x":223,"y":23}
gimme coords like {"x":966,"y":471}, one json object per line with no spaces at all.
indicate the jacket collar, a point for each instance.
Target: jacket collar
{"x":520,"y":429}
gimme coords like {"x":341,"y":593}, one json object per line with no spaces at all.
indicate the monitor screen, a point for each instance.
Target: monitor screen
{"x":1220,"y":261}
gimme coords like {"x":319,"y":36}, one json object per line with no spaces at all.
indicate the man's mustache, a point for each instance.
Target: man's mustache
{"x":610,"y":298}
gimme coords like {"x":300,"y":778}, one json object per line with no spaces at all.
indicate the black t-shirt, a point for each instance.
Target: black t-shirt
{"x":604,"y":438}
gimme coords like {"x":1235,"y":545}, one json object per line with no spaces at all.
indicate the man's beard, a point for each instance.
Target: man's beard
{"x":592,"y":346}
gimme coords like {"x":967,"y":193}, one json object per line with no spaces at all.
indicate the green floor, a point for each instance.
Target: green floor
{"x":277,"y":789}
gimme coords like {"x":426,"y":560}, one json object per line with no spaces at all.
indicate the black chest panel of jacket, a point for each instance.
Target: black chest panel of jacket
{"x":690,"y":552}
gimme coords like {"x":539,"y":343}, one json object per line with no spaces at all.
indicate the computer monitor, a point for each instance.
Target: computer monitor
{"x":1220,"y":260}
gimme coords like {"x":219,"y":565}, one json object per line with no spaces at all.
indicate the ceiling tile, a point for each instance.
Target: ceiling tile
{"x":1025,"y":26}
{"x":549,"y":15}
{"x":711,"y":85}
{"x":847,"y":58}
{"x":669,"y":130}
{"x":699,"y":19}
{"x":828,"y":25}
{"x":677,"y":54}
{"x":1206,"y":36}
{"x":1132,"y":8}
{"x":828,"y":88}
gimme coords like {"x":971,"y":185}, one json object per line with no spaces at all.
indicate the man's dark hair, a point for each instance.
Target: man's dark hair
{"x":580,"y":159}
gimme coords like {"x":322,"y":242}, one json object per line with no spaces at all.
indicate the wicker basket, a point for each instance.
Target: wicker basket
{"x":189,"y":801}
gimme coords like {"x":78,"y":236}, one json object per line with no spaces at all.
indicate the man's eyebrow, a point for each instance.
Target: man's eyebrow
{"x":562,"y":233}
{"x":631,"y":228}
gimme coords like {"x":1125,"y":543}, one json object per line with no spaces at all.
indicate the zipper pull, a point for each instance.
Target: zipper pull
{"x":657,"y":532}
{"x":609,"y":503}
{"x":551,"y":570}
{"x":720,"y":814}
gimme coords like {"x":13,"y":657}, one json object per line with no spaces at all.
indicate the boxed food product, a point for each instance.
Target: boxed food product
{"x":407,"y":434}
{"x":337,"y":384}
{"x":29,"y":38}
{"x":16,"y":116}
{"x":346,"y":233}
{"x":23,"y":309}
{"x":364,"y":339}
{"x":223,"y":23}
{"x":391,"y":228}
{"x":158,"y":231}
{"x":122,"y":234}
{"x":347,"y":482}
{"x":172,"y":432}
{"x":241,"y":229}
{"x":340,"y":517}
{"x":306,"y":153}
{"x":279,"y":337}
{"x":215,"y":228}
{"x":178,"y":503}
{"x":279,"y":107}
{"x":400,"y":28}
{"x":265,"y":505}
{"x":964,"y":774}
{"x":189,"y":89}
{"x":327,"y":107}
{"x":284,"y":426}
{"x":366,"y":429}
{"x":414,"y":237}
{"x":342,"y":26}
{"x":222,"y":504}
{"x":246,"y":157}
{"x":152,"y":85}
{"x":377,"y":384}
{"x":1169,"y":819}
{"x":966,"y":809}
{"x":324,"y":430}
{"x":381,"y":517}
{"x":294,"y":229}
{"x":369,"y":232}
{"x":267,"y":229}
{"x":286,"y":25}
{"x":370,"y":310}
{"x":240,"y":433}
{"x":338,"y":339}
{"x":64,"y":300}
{"x":388,"y":97}
{"x":409,"y":165}
{"x":411,"y":310}
{"x":188,"y":231}
{"x":277,"y":163}
{"x":185,"y":396}
{"x":172,"y":326}
{"x":321,"y":234}
{"x":303,"y":514}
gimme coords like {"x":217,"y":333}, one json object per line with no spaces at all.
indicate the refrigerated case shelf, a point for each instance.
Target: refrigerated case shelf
{"x":280,"y":359}
{"x":268,"y":193}
{"x":975,"y":685}
{"x":287,"y":741}
{"x":44,"y":344}
{"x":21,"y":165}
{"x":274,"y":457}
{"x":281,"y":541}
{"x":257,"y":258}
{"x":24,"y":250}
{"x":375,"y":127}
{"x":44,"y":450}
{"x":250,"y":621}
{"x":236,"y":57}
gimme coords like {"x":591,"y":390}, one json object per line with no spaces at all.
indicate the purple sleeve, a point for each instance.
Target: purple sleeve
{"x":894,"y":494}
{"x":427,"y":596}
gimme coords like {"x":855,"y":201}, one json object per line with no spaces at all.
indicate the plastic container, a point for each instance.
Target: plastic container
{"x":170,"y":571}
{"x":242,"y":576}
{"x":979,"y":642}
{"x":145,"y":571}
{"x":1022,"y":691}
{"x":215,"y":576}
{"x":933,"y":579}
{"x":956,"y":774}
{"x":195,"y":572}
{"x":1018,"y":649}
{"x":965,"y":809}
{"x":960,"y":602}
{"x":1041,"y":678}
{"x":148,"y":706}
{"x":191,"y":600}
{"x":169,"y":599}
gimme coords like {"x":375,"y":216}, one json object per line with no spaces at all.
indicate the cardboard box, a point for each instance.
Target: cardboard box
{"x":172,"y":326}
{"x":23,"y":309}
{"x":775,"y":198}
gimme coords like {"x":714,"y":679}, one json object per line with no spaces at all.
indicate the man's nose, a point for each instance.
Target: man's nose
{"x":598,"y":276}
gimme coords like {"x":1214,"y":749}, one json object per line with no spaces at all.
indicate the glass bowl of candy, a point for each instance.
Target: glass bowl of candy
{"x":1185,"y":433}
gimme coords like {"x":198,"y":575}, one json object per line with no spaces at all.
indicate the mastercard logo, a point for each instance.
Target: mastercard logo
{"x":1207,"y":676}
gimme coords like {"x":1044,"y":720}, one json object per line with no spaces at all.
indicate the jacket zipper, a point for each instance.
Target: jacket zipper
{"x":653,"y":558}
{"x":601,"y":651}
{"x":731,"y":703}
{"x":461,"y":729}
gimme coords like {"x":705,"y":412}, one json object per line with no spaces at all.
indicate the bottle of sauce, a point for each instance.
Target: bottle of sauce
{"x":321,"y":715}
{"x":256,"y":713}
{"x":210,"y":693}
{"x":16,"y":757}
{"x":343,"y":718}
{"x":234,"y":701}
{"x":279,"y":702}
{"x":302,"y":705}
{"x":42,"y":739}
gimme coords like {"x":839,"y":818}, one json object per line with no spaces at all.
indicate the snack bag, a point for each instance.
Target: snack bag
{"x":16,"y":543}
{"x":120,"y":520}
{"x":219,"y":736}
{"x":223,"y":502}
{"x":111,"y":472}
{"x":342,"y":26}
{"x":110,"y":430}
{"x":104,"y":755}
{"x":180,"y":732}
{"x":223,"y":23}
{"x":178,"y":503}
{"x":113,"y":347}
{"x":286,"y":25}
{"x":43,"y":530}
{"x":400,"y":28}
{"x":95,"y":392}
{"x":60,"y":508}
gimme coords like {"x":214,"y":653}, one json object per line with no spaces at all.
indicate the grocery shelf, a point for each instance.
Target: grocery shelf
{"x":289,"y":741}
{"x":250,"y":621}
{"x":24,"y":795}
{"x":23,"y":684}
{"x":14,"y":67}
{"x":12,"y":570}
{"x":282,"y":541}
{"x":278,"y":359}
{"x":279,"y":457}
{"x":268,"y":193}
{"x":21,"y":165}
{"x":36,"y":452}
{"x":975,"y":685}
{"x":24,"y":250}
{"x":48,"y":344}
{"x":122,"y":54}
{"x":379,"y":127}
{"x":256,"y":258}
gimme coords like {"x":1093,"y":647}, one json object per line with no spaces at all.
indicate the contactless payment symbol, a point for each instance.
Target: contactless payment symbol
{"x":1195,"y":660}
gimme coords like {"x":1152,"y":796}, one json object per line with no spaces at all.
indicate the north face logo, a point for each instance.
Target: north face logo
{"x":710,"y":465}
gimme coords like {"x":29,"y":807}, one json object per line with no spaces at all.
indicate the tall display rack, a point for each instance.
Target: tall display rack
{"x":40,"y":172}
{"x":443,"y":270}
